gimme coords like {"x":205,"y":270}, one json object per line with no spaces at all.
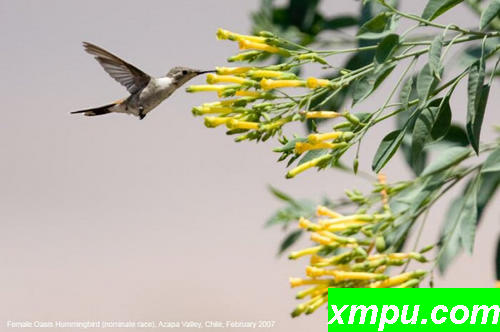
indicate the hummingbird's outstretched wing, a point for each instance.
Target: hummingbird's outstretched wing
{"x":126,"y":74}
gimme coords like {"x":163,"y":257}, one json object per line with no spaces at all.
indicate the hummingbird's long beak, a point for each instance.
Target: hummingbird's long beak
{"x":206,"y":71}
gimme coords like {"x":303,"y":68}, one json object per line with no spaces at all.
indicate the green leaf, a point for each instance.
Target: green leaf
{"x":476,"y":116}
{"x":435,"y":55}
{"x":476,"y":104}
{"x":370,"y":82}
{"x":460,"y":228}
{"x":450,"y":245}
{"x":456,"y":135}
{"x":340,"y":22}
{"x":289,"y":240}
{"x":468,"y":216}
{"x":492,"y":163}
{"x":281,"y":195}
{"x":443,"y":120}
{"x":378,"y":27}
{"x":432,"y":124}
{"x":404,"y":95}
{"x":387,"y":148}
{"x":426,"y":82}
{"x":490,"y":182}
{"x":435,"y":8}
{"x":491,"y":11}
{"x":386,"y":48}
{"x":447,"y":158}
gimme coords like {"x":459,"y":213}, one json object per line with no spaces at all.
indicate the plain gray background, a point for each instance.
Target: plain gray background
{"x":111,"y":218}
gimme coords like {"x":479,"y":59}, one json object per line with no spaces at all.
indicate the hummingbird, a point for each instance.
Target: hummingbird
{"x":146,"y":92}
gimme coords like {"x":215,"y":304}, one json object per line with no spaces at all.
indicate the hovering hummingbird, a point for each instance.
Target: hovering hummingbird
{"x":146,"y":92}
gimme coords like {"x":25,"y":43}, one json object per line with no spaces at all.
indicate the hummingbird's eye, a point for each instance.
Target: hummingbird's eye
{"x":184,"y":72}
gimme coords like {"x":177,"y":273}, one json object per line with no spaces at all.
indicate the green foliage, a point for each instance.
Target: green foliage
{"x":441,"y":152}
{"x":387,"y":148}
{"x":435,"y":8}
{"x":460,"y":227}
{"x":477,"y":97}
{"x":378,"y":27}
{"x":492,"y":11}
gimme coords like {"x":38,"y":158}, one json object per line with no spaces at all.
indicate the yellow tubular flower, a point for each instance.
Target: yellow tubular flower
{"x":306,"y":224}
{"x":397,"y":280}
{"x":246,"y":44}
{"x":324,"y":211}
{"x":213,"y":79}
{"x":301,"y":147}
{"x":316,"y":303}
{"x":238,"y":124}
{"x":314,"y":83}
{"x":305,"y":166}
{"x":232,"y":70}
{"x":412,"y":283}
{"x":355,"y":218}
{"x":203,"y":88}
{"x":322,"y":115}
{"x":304,"y":252}
{"x":315,"y":237}
{"x":266,"y":84}
{"x":274,"y":124}
{"x":342,"y":275}
{"x":265,"y":74}
{"x":316,"y":138}
{"x":246,"y":93}
{"x":212,"y":121}
{"x":497,"y":285}
{"x":225,"y":34}
{"x":297,"y":282}
{"x":337,"y":238}
{"x":311,"y":290}
{"x":299,"y":310}
{"x":261,"y":73}
{"x":211,"y":110}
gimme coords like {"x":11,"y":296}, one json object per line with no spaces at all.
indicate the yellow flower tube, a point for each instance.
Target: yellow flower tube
{"x":305,"y":166}
{"x":204,"y":88}
{"x":322,"y":115}
{"x":301,"y":147}
{"x":245,"y":44}
{"x":267,"y":84}
{"x":314,"y":83}
{"x":304,"y":252}
{"x":226,"y":34}
{"x":324,"y":211}
{"x":212,"y":121}
{"x":397,"y":280}
{"x":238,"y":124}
{"x":232,"y":70}
{"x":246,"y":93}
{"x":297,"y":282}
{"x":213,"y":79}
{"x":316,"y":138}
{"x":211,"y":110}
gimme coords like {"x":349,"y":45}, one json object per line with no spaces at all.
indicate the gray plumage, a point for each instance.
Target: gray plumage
{"x":146,"y":92}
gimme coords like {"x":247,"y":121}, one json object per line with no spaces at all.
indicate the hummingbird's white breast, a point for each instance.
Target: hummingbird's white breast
{"x":155,"y":92}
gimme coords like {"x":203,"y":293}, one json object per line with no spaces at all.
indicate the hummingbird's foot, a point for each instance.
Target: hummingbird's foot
{"x":141,"y":113}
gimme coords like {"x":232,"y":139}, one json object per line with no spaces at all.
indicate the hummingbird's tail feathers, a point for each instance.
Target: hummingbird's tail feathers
{"x":96,"y":111}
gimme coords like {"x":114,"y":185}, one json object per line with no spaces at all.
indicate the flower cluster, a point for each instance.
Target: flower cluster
{"x":348,"y":253}
{"x":250,"y":104}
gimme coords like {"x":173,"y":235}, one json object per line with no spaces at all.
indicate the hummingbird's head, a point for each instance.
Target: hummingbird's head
{"x":181,"y":75}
